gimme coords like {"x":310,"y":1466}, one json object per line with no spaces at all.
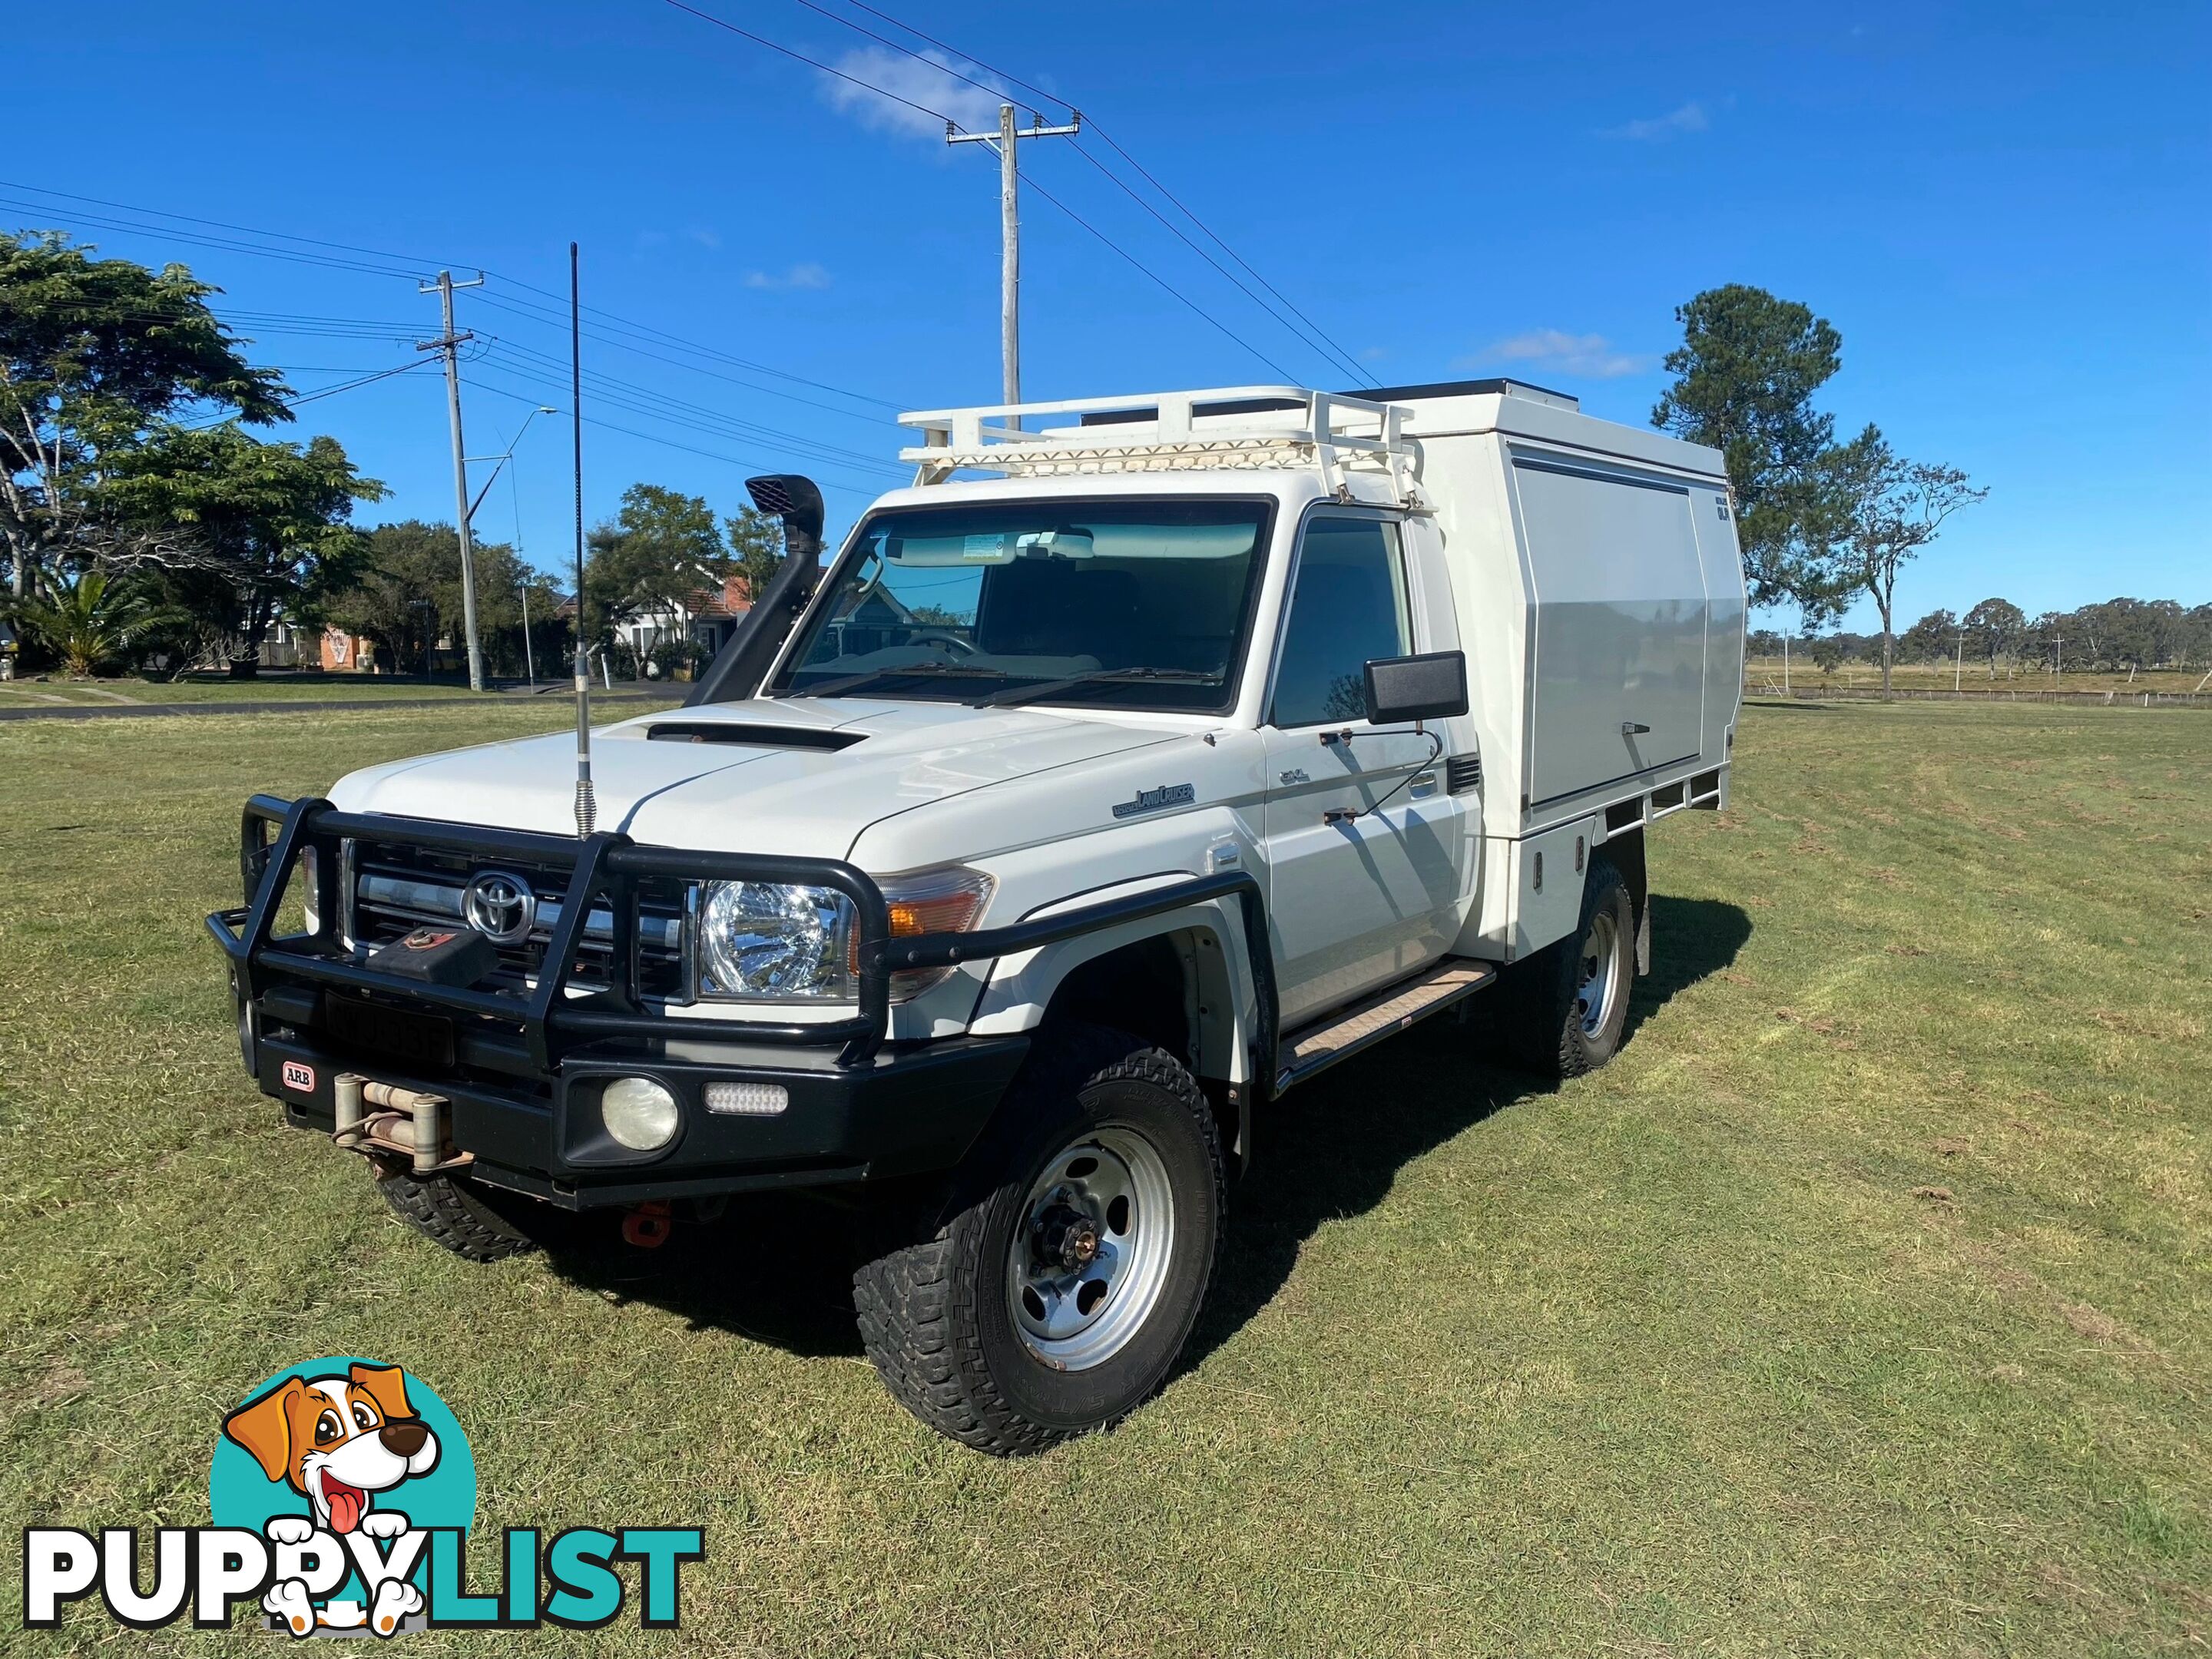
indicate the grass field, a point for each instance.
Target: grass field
{"x":276,"y":688}
{"x":1764,"y":674}
{"x":1861,"y":1307}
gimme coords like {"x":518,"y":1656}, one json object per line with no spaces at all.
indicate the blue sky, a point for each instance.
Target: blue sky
{"x":2004,"y":209}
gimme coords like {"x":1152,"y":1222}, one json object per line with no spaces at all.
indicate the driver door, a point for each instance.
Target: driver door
{"x":1364,"y":844}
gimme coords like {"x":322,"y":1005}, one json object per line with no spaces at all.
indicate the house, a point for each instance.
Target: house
{"x":705,"y":618}
{"x":348,"y":654}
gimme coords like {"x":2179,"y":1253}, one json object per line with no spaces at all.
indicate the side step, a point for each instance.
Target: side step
{"x":1315,"y":1048}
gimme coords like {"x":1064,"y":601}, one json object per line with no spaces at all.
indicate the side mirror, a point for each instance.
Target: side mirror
{"x":1432,"y":687}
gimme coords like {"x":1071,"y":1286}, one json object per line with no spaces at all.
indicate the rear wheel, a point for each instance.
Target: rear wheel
{"x":1056,"y":1298}
{"x":1566,"y":1007}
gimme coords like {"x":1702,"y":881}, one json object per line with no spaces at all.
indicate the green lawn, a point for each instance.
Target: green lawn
{"x":1861,"y":1307}
{"x":1763,"y":674}
{"x":276,"y":689}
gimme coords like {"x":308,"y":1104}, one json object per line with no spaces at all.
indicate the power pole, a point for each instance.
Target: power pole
{"x":1958,"y":666}
{"x":450,"y":344}
{"x":1004,"y":141}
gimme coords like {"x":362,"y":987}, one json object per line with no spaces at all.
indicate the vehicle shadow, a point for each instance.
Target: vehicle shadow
{"x":777,"y":1269}
{"x":1334,"y":1148}
{"x":1690,"y":939}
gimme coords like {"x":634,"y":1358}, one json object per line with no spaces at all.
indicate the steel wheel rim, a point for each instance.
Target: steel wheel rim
{"x":1597,"y":974}
{"x":1089,"y":1259}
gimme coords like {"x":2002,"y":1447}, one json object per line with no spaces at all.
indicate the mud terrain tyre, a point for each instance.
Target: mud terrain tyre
{"x":1071,"y":1258}
{"x":466,"y":1219}
{"x":1565,"y":1009}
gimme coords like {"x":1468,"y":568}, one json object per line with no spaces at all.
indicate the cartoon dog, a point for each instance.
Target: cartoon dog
{"x":337,"y":1441}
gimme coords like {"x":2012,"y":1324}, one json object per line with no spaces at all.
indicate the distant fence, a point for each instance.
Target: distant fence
{"x":2113,"y":699}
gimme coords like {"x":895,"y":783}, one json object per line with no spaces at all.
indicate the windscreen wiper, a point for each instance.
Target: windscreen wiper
{"x":1030,"y":693}
{"x":852,"y":682}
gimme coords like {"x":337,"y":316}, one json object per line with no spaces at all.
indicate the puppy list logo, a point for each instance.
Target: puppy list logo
{"x":342,"y":1494}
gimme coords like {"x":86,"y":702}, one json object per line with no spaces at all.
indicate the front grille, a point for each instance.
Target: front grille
{"x":394,"y":887}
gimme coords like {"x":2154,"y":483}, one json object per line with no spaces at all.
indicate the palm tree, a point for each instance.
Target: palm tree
{"x":91,"y":621}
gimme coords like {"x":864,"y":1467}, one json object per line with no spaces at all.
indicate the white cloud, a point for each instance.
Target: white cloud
{"x":935,"y":85}
{"x":1590,"y":357}
{"x":1374,"y":354}
{"x":704,"y":236}
{"x":800,"y":276}
{"x":1691,"y":117}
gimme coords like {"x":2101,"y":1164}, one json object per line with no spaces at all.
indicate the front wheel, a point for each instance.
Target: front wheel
{"x":1056,"y":1298}
{"x":476,"y":1223}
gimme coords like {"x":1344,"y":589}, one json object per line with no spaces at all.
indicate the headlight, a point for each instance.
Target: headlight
{"x":773,"y":941}
{"x":638,"y":1113}
{"x":769,"y":941}
{"x":308,"y":873}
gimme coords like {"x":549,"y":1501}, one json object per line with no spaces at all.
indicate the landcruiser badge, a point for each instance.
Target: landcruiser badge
{"x":1154,"y":800}
{"x":501,"y":907}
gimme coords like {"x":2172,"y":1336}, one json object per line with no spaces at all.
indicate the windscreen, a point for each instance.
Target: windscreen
{"x":1132,"y":605}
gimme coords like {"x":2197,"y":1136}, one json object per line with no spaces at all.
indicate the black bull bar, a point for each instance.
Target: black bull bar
{"x":607,"y":863}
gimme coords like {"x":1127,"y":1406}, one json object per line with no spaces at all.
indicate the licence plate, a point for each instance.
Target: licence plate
{"x":426,"y":1039}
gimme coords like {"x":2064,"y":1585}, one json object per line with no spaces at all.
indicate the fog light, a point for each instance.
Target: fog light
{"x":747,"y":1099}
{"x":639,"y":1113}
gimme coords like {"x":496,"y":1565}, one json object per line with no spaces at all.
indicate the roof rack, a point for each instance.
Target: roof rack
{"x":1222,"y":427}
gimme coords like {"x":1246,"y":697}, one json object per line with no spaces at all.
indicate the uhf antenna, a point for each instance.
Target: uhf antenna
{"x":587,"y":811}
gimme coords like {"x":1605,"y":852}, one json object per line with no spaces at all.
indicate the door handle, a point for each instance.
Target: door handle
{"x":1629,"y":728}
{"x":1422,"y":786}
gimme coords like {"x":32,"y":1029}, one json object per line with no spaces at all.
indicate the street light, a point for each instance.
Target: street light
{"x":529,"y":657}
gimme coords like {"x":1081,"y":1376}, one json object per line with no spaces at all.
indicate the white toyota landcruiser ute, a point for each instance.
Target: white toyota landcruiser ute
{"x":1146,"y":757}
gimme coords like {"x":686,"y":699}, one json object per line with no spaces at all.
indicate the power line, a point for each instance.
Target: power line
{"x":1225,"y":248}
{"x":867,"y":492}
{"x":643,"y":399}
{"x":1288,"y":377}
{"x":811,"y":63}
{"x":650,"y":401}
{"x":884,"y":39}
{"x":619,"y":326}
{"x":1010,"y":80}
{"x":394,"y":265}
{"x":294,"y":399}
{"x":219,"y":224}
{"x":953,"y":124}
{"x":1181,"y":206}
{"x":1320,"y":345}
{"x":693,"y":367}
{"x":201,"y":238}
{"x":675,"y":414}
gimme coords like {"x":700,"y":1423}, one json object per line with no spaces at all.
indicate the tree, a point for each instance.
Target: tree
{"x":661,"y":550}
{"x":92,"y":353}
{"x":1745,"y":372}
{"x":1873,"y":511}
{"x":1995,"y":626}
{"x":266,"y":528}
{"x":1929,"y":640}
{"x":756,"y":543}
{"x":407,"y":595}
{"x":90,"y":619}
